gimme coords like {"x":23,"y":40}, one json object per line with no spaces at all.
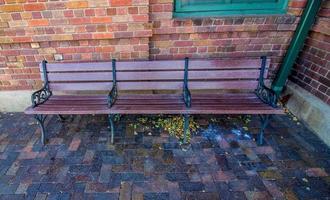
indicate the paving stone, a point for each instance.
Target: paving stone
{"x":77,"y":162}
{"x":177,"y":177}
{"x":158,"y":196}
{"x":105,"y":173}
{"x":191,"y":186}
{"x":125,"y":191}
{"x":74,"y":145}
{"x":316,"y":172}
{"x":13,"y":169}
{"x":224,"y":176}
{"x":8,"y":188}
{"x":22,"y":188}
{"x":40,"y":196}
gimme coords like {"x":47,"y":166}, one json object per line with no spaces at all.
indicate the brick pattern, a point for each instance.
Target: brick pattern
{"x":222,"y":163}
{"x":22,"y":70}
{"x":85,"y":30}
{"x":312,"y":69}
{"x":221,"y":37}
{"x":94,"y":30}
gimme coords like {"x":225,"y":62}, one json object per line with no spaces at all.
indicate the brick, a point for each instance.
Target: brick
{"x":22,"y":39}
{"x":74,"y":145}
{"x":133,"y":10}
{"x":78,"y":21}
{"x":183,"y":43}
{"x":68,"y":13}
{"x":34,"y":7}
{"x":90,"y":12}
{"x":140,"y":18}
{"x":77,"y":4}
{"x":121,"y":2}
{"x":55,"y":5}
{"x":99,"y":20}
{"x":111,"y":11}
{"x":11,"y":8}
{"x":38,"y":22}
{"x":103,"y":35}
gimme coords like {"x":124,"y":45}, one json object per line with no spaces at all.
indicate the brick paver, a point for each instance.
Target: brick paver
{"x":223,"y":161}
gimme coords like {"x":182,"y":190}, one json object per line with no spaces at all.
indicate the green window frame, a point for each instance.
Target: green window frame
{"x":230,"y":8}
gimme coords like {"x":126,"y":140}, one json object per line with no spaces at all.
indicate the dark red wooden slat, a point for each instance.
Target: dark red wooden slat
{"x":120,"y":66}
{"x":100,"y":86}
{"x":194,"y":96}
{"x":77,"y":111}
{"x":155,"y":75}
{"x":78,"y":97}
{"x":158,"y":65}
{"x":156,"y":85}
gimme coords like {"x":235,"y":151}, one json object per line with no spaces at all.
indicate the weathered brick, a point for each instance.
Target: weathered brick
{"x":121,"y":2}
{"x":111,"y":11}
{"x":103,"y":35}
{"x":38,"y":22}
{"x":11,"y":8}
{"x":77,"y":4}
{"x":34,"y":7}
{"x":100,"y":20}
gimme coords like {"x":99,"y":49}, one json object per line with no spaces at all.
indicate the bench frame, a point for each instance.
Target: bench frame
{"x":264,"y":93}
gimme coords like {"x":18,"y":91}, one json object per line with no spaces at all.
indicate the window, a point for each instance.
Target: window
{"x":208,"y":8}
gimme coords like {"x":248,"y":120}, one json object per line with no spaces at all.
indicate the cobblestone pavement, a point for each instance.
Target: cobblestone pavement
{"x":223,"y":162}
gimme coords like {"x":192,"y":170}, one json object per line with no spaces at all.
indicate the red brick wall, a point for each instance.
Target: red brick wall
{"x":88,"y":30}
{"x":312,"y":69}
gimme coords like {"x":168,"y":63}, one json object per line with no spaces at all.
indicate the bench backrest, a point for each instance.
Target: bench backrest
{"x":225,"y":74}
{"x":155,"y":75}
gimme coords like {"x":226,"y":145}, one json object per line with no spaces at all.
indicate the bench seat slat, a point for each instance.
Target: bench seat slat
{"x":155,"y":65}
{"x":155,"y":75}
{"x":157,"y":85}
{"x":235,"y":103}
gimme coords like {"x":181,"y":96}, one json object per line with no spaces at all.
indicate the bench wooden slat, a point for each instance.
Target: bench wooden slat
{"x":98,"y":86}
{"x":156,"y":85}
{"x":236,"y":103}
{"x":120,"y":66}
{"x":155,"y":75}
{"x":196,"y":96}
{"x":156,"y":65}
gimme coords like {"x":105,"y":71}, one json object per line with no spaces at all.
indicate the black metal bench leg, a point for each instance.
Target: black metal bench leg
{"x":61,"y":117}
{"x":186,"y":128}
{"x":264,"y":119}
{"x":64,"y":119}
{"x":41,"y":121}
{"x":112,"y":127}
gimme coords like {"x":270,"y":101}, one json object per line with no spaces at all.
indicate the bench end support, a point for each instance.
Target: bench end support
{"x":112,"y":96}
{"x":112,"y":127}
{"x":41,"y":121}
{"x":264,"y":93}
{"x":264,"y":119}
{"x":185,"y":128}
{"x":186,"y":92}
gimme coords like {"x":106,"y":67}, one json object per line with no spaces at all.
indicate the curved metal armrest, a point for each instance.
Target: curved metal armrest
{"x":40,"y":96}
{"x":267,"y":95}
{"x":187,"y":97}
{"x":112,"y":96}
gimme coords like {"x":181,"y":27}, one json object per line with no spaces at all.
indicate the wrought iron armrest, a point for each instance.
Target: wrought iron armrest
{"x":187,"y":96}
{"x":266,"y":95}
{"x":112,"y":96}
{"x":40,"y":96}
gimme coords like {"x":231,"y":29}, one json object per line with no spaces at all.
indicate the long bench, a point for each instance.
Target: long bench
{"x":206,"y":77}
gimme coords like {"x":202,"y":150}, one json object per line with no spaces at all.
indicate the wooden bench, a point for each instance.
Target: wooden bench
{"x":178,"y":75}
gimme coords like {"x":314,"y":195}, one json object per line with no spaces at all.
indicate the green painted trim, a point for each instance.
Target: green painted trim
{"x":220,"y":9}
{"x":306,"y":22}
